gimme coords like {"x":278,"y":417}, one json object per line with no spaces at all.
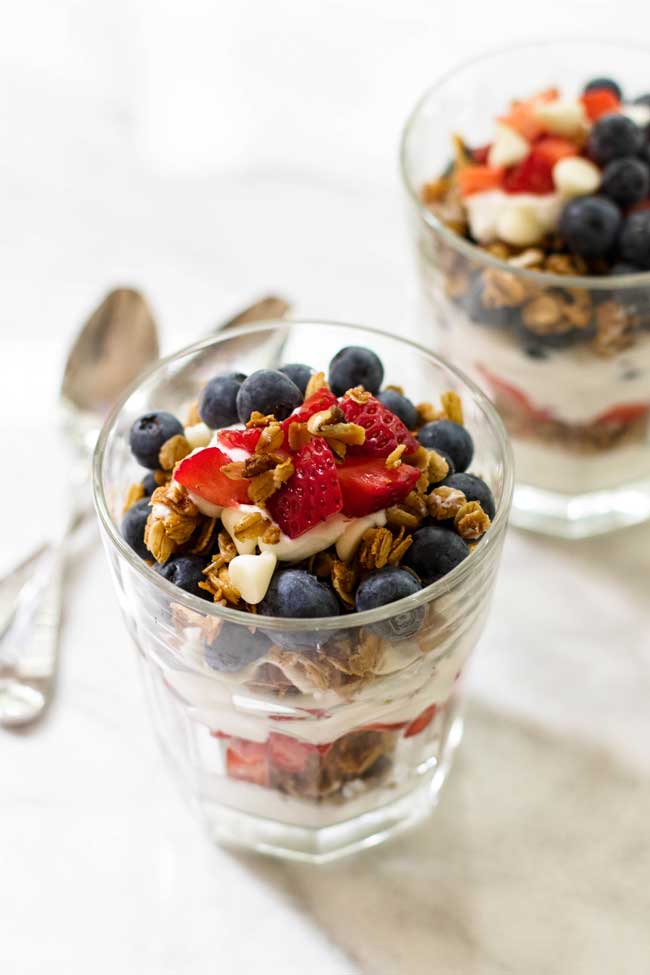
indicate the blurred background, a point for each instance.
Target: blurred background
{"x":207,"y":153}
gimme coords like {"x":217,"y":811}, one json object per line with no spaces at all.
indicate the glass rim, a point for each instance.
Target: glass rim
{"x":297,"y":624}
{"x":471,"y":251}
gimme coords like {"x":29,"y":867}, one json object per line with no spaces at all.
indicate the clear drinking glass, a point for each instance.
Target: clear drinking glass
{"x":340,"y":734}
{"x":576,"y":402}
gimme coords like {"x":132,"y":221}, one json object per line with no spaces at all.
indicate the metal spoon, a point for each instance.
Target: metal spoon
{"x":116,"y":343}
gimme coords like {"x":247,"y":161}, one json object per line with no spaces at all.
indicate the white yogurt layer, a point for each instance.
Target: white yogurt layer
{"x":485,"y":211}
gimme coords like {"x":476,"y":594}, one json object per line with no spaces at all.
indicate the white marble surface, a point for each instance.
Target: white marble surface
{"x":208,"y":157}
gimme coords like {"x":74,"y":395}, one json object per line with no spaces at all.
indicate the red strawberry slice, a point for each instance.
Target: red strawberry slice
{"x":551,"y":148}
{"x":624,"y":413}
{"x":367,"y":485}
{"x":600,"y":101}
{"x":532,"y":175}
{"x":322,"y":399}
{"x":291,"y":755}
{"x":421,"y":722}
{"x":248,"y":761}
{"x":241,"y":439}
{"x":384,"y":430}
{"x":311,"y":494}
{"x":201,"y":474}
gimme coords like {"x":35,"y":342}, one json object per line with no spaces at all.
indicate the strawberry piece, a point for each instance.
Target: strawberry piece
{"x":532,"y":175}
{"x":552,"y":148}
{"x":201,"y":473}
{"x":600,"y":101}
{"x":625,"y":413}
{"x":248,"y":761}
{"x":322,"y":399}
{"x":384,"y":430}
{"x":380,"y":726}
{"x":367,"y":485}
{"x":501,"y":388}
{"x":241,"y":439}
{"x":421,"y":722}
{"x":480,"y":154}
{"x":477,"y":179}
{"x":522,"y":116}
{"x":311,"y":494}
{"x":291,"y":755}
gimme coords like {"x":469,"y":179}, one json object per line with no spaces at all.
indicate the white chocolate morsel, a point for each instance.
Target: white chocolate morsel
{"x":519,"y":226}
{"x":198,"y":435}
{"x":563,"y":116}
{"x":314,"y":540}
{"x":484,"y":209}
{"x":251,"y":575}
{"x":348,"y":542}
{"x":230,"y":518}
{"x":574,"y":176}
{"x":508,"y":147}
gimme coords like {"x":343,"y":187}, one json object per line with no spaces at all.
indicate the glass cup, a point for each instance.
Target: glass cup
{"x":338,"y":731}
{"x":566,"y":359}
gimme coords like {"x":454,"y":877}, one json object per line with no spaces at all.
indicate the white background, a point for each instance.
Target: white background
{"x":207,"y":153}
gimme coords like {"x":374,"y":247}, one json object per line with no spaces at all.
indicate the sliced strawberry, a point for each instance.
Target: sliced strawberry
{"x":600,"y":101}
{"x":311,"y":494}
{"x":421,"y":722}
{"x":291,"y":755}
{"x":500,"y":387}
{"x":532,"y":175}
{"x":322,"y":399}
{"x":380,"y":726}
{"x":477,"y":179}
{"x":480,"y":154}
{"x":241,"y":439}
{"x":384,"y":430}
{"x":368,"y":485}
{"x":551,"y":148}
{"x":522,"y":116}
{"x":625,"y":413}
{"x":248,"y":761}
{"x":201,"y":474}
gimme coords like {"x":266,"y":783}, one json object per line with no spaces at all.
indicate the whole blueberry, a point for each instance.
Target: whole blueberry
{"x":296,"y":594}
{"x":589,"y":225}
{"x":149,"y":433}
{"x":298,"y":374}
{"x":450,"y":438}
{"x":218,"y":400}
{"x":355,"y":366}
{"x":612,"y":137}
{"x":267,"y":391}
{"x":435,"y":552}
{"x":634,"y":242}
{"x":479,"y":311}
{"x":607,"y":83}
{"x":400,"y":405}
{"x":149,"y":483}
{"x":234,"y":647}
{"x":185,"y":571}
{"x":386,"y":586}
{"x":625,"y":181}
{"x":133,"y":527}
{"x":474,"y":489}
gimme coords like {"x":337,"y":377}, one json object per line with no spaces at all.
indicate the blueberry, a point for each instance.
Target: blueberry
{"x":355,"y":366}
{"x":386,"y":586}
{"x":149,"y":483}
{"x":268,"y":391}
{"x":298,"y":374}
{"x":589,"y":225}
{"x":218,"y":400}
{"x":295,"y":593}
{"x":133,"y":527}
{"x":149,"y":433}
{"x":434,"y":553}
{"x":479,"y":312}
{"x":612,"y":137}
{"x":234,"y":647}
{"x":635,"y":240}
{"x":538,"y":346}
{"x":400,"y":405}
{"x":625,"y":181}
{"x":606,"y":83}
{"x":474,"y":489}
{"x":186,"y":571}
{"x":451,"y":438}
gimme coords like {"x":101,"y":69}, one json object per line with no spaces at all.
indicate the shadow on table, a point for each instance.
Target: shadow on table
{"x":536,"y":861}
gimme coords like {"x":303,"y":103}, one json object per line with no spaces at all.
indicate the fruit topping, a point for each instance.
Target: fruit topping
{"x":478,"y":179}
{"x":186,"y":572}
{"x":313,"y":492}
{"x":218,"y":400}
{"x":385,"y":586}
{"x":297,"y":593}
{"x":626,"y":181}
{"x":384,"y":429}
{"x":267,"y":391}
{"x":599,"y":102}
{"x":589,"y":226}
{"x":322,"y":399}
{"x":604,"y":84}
{"x":421,"y":722}
{"x":235,"y":647}
{"x":451,"y":438}
{"x":149,"y":433}
{"x":367,"y":485}
{"x":298,"y":374}
{"x":240,"y":439}
{"x":355,"y":366}
{"x":474,"y":489}
{"x":434,"y":553}
{"x":202,"y":474}
{"x":612,"y":137}
{"x":248,"y":761}
{"x":400,"y":405}
{"x":133,"y":525}
{"x":635,"y":240}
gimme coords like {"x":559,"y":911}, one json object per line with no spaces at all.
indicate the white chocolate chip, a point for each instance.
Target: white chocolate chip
{"x":251,"y":575}
{"x":198,"y":435}
{"x":348,"y":542}
{"x":508,"y":147}
{"x":519,"y":226}
{"x":230,"y":518}
{"x":574,"y":176}
{"x":639,"y":114}
{"x":563,"y":116}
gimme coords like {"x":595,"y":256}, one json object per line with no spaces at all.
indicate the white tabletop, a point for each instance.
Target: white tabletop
{"x":207,"y":159}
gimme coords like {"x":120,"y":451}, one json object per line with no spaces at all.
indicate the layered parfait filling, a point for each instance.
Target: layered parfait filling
{"x":289,"y":495}
{"x":562,"y":188}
